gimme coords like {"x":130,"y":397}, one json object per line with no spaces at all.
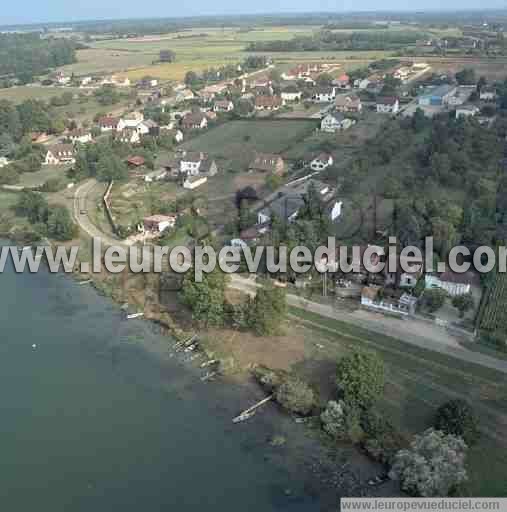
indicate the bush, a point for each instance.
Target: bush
{"x":456,"y":417}
{"x":433,"y":466}
{"x":296,"y":396}
{"x":433,"y":300}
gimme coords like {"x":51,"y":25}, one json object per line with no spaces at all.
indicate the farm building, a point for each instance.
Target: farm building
{"x":388,"y":105}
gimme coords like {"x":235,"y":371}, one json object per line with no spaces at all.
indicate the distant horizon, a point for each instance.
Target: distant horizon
{"x":266,"y":13}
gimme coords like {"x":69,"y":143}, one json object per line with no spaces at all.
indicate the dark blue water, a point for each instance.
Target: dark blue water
{"x":91,"y":420}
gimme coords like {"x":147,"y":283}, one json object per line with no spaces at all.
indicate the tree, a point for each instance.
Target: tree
{"x":296,"y":396}
{"x":269,"y":310}
{"x":466,"y":76}
{"x":433,"y":466}
{"x":457,"y":417}
{"x":34,"y":206}
{"x":7,"y":145}
{"x":111,"y":167}
{"x":434,"y":299}
{"x":273,"y":181}
{"x":206,"y":299}
{"x":342,"y":421}
{"x":191,"y":79}
{"x":167,"y":56}
{"x":360,"y":378}
{"x":60,"y":225}
{"x":463,"y":303}
{"x":324,"y":79}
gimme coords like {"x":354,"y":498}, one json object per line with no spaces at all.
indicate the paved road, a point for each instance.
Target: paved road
{"x":414,"y":332}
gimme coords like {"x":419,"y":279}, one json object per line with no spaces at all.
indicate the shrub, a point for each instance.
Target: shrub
{"x":296,"y":396}
{"x":269,"y":379}
{"x":456,"y":417}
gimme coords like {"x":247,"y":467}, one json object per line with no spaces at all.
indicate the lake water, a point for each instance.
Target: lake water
{"x":91,"y":420}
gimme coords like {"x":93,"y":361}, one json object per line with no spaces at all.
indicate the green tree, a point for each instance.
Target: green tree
{"x":111,"y":167}
{"x":434,"y":466}
{"x":463,"y":303}
{"x":296,"y":396}
{"x":60,"y":225}
{"x":269,"y":310}
{"x":34,"y":206}
{"x":434,"y":299}
{"x":457,"y":417}
{"x":206,"y":299}
{"x":360,"y":378}
{"x":466,"y":76}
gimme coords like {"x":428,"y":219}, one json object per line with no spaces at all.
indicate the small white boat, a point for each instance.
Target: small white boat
{"x":134,"y":315}
{"x":243,"y":417}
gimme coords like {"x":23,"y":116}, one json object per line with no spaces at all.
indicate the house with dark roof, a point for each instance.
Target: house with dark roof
{"x":348,"y":103}
{"x":223,"y":106}
{"x":194,"y":121}
{"x":80,"y":136}
{"x":453,"y":283}
{"x":267,"y":162}
{"x":321,"y":162}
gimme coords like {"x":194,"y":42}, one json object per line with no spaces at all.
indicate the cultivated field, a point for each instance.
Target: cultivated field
{"x":199,"y":49}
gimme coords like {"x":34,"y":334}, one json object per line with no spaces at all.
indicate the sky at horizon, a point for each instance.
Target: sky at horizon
{"x":34,"y":11}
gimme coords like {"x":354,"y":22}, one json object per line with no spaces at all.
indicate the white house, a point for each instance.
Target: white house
{"x":3,"y":161}
{"x":86,"y":80}
{"x":324,"y":95}
{"x":59,"y":154}
{"x":466,"y":111}
{"x":334,"y":122}
{"x":192,"y":182}
{"x":156,"y":175}
{"x":130,"y":120}
{"x":322,"y":161}
{"x":80,"y":136}
{"x":147,"y":127}
{"x":197,"y":163}
{"x":336,"y":210}
{"x":388,"y":105}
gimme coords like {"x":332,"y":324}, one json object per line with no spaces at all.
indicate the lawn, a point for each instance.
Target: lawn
{"x":418,"y":381}
{"x":234,"y":144}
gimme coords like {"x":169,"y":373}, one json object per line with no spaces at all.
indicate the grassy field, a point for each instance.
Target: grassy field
{"x":234,"y":144}
{"x":418,"y":381}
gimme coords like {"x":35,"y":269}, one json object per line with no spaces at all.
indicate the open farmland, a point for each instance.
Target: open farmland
{"x":234,"y":144}
{"x":417,"y":382}
{"x":199,"y":49}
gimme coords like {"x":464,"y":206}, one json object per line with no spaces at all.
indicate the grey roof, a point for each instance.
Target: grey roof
{"x":285,"y":206}
{"x":440,"y":90}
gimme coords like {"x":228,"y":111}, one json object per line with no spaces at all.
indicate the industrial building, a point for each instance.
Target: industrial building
{"x":438,"y":96}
